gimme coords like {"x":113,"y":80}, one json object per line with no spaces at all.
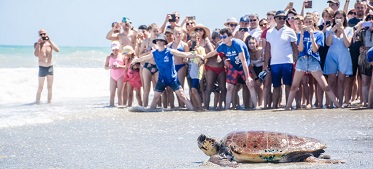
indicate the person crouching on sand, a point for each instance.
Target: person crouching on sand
{"x":115,"y":62}
{"x":164,"y":59}
{"x":132,"y":76}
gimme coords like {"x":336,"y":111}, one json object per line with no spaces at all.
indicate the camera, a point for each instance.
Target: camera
{"x":45,"y":37}
{"x":191,"y":18}
{"x":262,"y":75}
{"x":308,"y":4}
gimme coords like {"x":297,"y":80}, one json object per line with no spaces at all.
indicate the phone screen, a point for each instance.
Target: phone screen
{"x":173,"y":18}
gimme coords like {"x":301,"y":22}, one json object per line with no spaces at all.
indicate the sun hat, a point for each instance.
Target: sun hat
{"x":207,"y":30}
{"x":280,"y":13}
{"x":128,"y":50}
{"x":231,"y":20}
{"x":115,"y":45}
{"x":160,"y":36}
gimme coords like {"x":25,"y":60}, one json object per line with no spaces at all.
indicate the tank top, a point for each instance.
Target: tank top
{"x":165,"y":63}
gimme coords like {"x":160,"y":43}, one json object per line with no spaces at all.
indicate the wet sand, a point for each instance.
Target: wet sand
{"x":116,"y":138}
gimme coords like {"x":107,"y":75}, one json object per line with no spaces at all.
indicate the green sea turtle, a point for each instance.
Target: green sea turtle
{"x":262,"y":146}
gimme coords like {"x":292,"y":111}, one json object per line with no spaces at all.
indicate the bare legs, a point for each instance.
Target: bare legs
{"x":41,"y":86}
{"x":180,"y":93}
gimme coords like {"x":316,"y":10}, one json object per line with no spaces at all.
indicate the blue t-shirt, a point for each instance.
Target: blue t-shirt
{"x":232,"y":52}
{"x":165,"y":63}
{"x":369,"y":56}
{"x":307,"y":43}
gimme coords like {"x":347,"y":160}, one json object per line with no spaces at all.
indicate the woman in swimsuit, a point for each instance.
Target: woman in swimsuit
{"x":115,"y":62}
{"x":132,"y":76}
{"x":180,"y":65}
{"x":256,"y":66}
{"x":150,"y":70}
{"x":214,"y":69}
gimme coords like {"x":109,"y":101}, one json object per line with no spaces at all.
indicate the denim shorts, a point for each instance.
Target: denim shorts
{"x":307,"y":64}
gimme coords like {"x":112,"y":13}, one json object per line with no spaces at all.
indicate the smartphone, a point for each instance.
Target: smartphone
{"x":327,"y":23}
{"x":191,"y":18}
{"x":45,"y":38}
{"x":338,"y":20}
{"x":243,"y":30}
{"x":194,"y":44}
{"x":367,"y":24}
{"x":308,"y":4}
{"x":173,"y":18}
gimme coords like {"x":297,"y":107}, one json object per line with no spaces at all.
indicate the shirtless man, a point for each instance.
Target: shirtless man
{"x":43,"y":50}
{"x":127,"y":37}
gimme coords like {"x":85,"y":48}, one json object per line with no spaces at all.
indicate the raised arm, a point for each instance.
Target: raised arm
{"x":211,"y":54}
{"x":37,"y":48}
{"x":54,"y":46}
{"x":110,"y":35}
{"x":345,"y":8}
{"x":185,"y":54}
{"x":162,"y":29}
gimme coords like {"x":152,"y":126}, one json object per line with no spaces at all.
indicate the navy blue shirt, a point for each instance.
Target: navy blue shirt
{"x":166,"y":66}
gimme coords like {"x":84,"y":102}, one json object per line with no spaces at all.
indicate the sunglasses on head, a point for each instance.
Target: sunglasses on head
{"x":232,"y":25}
{"x":223,"y":36}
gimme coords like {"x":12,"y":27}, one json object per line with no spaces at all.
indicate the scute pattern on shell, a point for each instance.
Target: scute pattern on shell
{"x":263,"y":146}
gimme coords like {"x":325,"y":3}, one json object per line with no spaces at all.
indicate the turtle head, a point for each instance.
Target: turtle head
{"x":210,"y":146}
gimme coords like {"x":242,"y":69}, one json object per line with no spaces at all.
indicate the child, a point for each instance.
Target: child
{"x":195,"y":72}
{"x":115,"y":62}
{"x":132,"y":76}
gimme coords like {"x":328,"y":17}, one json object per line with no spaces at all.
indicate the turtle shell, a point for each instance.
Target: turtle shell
{"x":264,"y":146}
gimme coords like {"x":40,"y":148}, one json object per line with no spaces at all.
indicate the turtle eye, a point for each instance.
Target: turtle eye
{"x":202,"y":138}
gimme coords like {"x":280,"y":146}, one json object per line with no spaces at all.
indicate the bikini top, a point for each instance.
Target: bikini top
{"x":179,"y":48}
{"x":257,"y":63}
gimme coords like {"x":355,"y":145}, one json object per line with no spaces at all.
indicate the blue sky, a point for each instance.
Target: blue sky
{"x":86,"y":22}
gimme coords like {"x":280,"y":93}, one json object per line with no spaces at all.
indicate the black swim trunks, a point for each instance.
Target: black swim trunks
{"x":44,"y":71}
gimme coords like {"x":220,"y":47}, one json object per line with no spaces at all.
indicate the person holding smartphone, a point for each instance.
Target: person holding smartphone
{"x":43,"y":49}
{"x":309,"y":41}
{"x":338,"y":59}
{"x":364,"y":35}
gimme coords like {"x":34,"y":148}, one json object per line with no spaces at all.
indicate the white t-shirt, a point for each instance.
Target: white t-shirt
{"x":280,"y":40}
{"x":256,"y":33}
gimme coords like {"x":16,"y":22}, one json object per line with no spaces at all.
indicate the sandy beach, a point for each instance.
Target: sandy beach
{"x":99,"y":137}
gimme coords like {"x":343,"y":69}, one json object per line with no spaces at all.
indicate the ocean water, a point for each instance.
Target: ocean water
{"x":80,"y":82}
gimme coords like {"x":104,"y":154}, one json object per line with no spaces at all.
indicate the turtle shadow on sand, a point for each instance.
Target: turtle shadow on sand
{"x":263,"y":146}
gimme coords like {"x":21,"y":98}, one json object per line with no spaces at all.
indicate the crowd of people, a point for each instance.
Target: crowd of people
{"x":301,"y":56}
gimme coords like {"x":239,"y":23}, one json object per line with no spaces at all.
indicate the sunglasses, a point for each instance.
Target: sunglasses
{"x":233,"y":25}
{"x":42,"y":34}
{"x":290,"y":18}
{"x":253,"y":20}
{"x":191,"y":23}
{"x":333,"y":4}
{"x":264,"y":24}
{"x":223,"y":36}
{"x":369,"y":18}
{"x":352,"y":13}
{"x":198,"y":29}
{"x":281,"y":18}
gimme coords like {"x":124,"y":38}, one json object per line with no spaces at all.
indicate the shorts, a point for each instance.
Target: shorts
{"x":307,"y":64}
{"x":233,"y":74}
{"x":44,"y":71}
{"x":160,"y":87}
{"x":194,"y":83}
{"x":281,"y":71}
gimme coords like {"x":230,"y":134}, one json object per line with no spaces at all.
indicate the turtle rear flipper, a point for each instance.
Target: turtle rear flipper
{"x":222,"y":161}
{"x":327,"y":161}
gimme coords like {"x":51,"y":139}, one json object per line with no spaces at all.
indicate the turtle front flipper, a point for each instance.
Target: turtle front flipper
{"x":222,"y":161}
